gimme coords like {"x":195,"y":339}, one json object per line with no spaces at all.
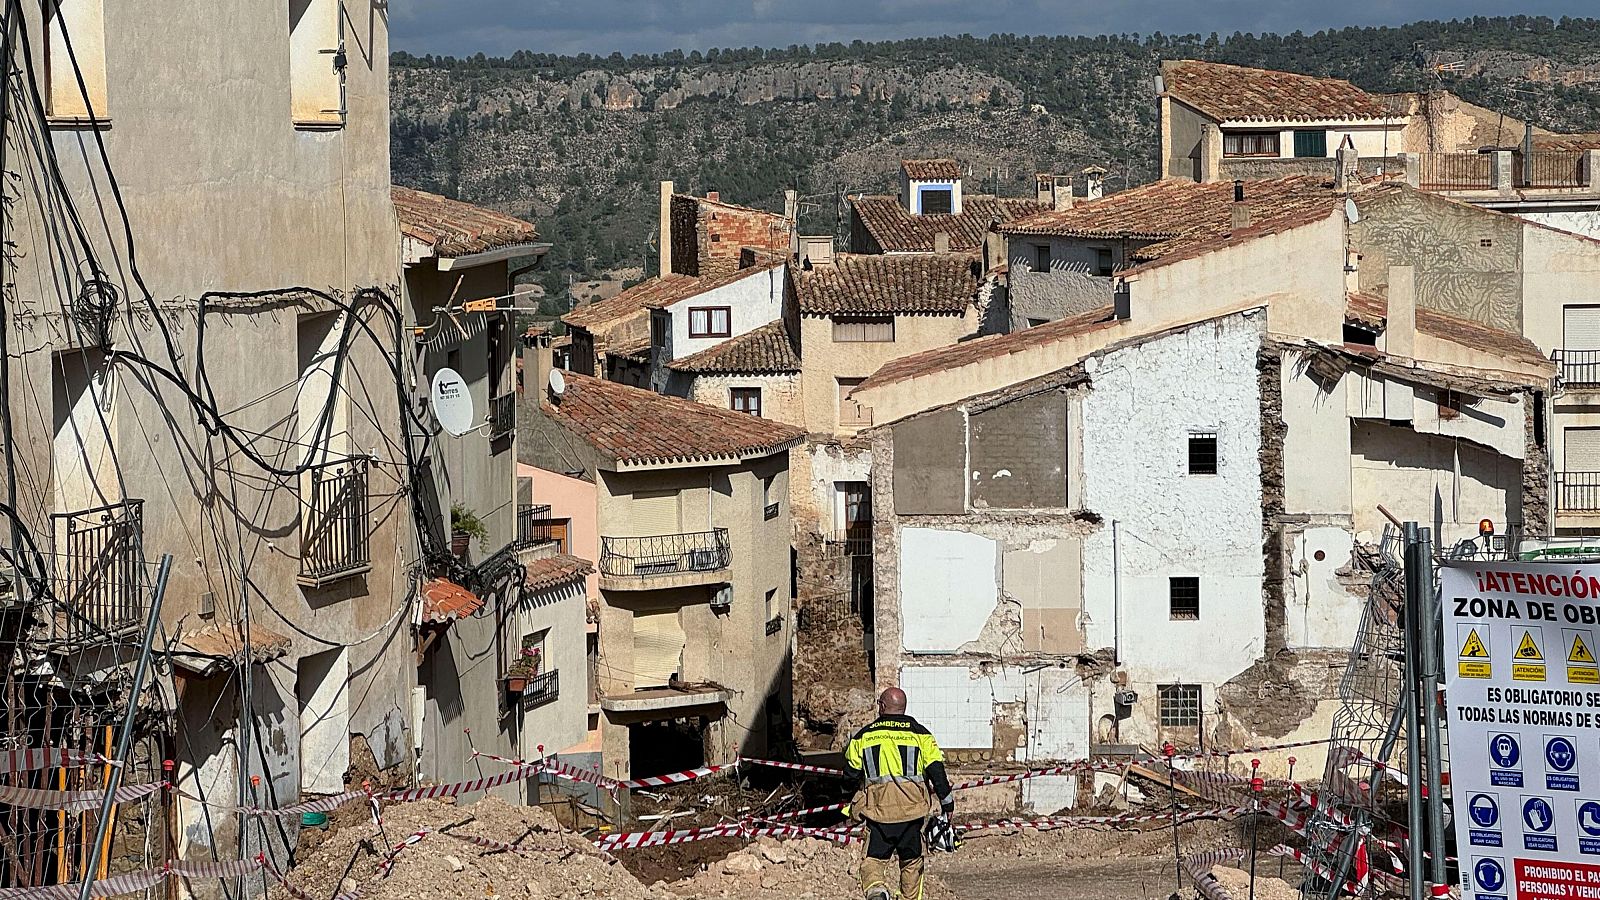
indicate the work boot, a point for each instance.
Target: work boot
{"x":875,"y":878}
{"x":911,"y":879}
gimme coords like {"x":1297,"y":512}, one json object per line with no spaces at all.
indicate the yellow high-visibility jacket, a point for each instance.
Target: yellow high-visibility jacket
{"x":897,"y":761}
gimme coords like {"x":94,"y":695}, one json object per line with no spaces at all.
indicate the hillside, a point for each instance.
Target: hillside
{"x":579,"y":143}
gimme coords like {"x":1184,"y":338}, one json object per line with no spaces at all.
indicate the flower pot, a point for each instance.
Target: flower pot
{"x":460,"y":542}
{"x":515,"y":683}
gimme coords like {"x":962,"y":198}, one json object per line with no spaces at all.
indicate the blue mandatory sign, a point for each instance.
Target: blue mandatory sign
{"x":1490,"y":876}
{"x":1505,"y":758}
{"x":1561,"y":757}
{"x":1589,"y":825}
{"x":1484,"y":812}
{"x":1537,"y":820}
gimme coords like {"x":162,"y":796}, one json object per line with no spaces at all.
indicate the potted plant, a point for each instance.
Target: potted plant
{"x":464,"y":526}
{"x":524,"y":667}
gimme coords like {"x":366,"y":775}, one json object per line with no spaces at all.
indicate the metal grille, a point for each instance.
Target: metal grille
{"x":1456,"y":171}
{"x":1179,"y":705}
{"x":854,"y":541}
{"x":334,"y":541}
{"x":534,"y":525}
{"x":666,"y":554}
{"x":1202,"y":453}
{"x":1550,"y":169}
{"x":100,"y":585}
{"x":502,"y":415}
{"x":541,"y":689}
{"x":1578,"y":367}
{"x":1577,"y":491}
{"x":1184,"y":596}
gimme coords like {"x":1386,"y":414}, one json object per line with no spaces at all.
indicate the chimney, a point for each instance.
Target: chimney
{"x":941,"y":242}
{"x":816,"y":250}
{"x":1240,"y":213}
{"x":714,"y":196}
{"x":1094,"y":179}
{"x":536,"y":364}
{"x":1400,"y":326}
{"x":1209,"y":167}
{"x":1044,"y":186}
{"x":791,"y":213}
{"x":1346,"y":167}
{"x":1054,"y":191}
{"x":666,"y":229}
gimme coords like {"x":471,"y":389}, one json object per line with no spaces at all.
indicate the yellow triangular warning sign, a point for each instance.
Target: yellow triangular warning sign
{"x":1474,"y":646}
{"x":1580,"y":651}
{"x":1528,"y":649}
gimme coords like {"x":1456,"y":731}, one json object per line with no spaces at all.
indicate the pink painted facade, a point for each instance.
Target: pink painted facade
{"x":574,"y":499}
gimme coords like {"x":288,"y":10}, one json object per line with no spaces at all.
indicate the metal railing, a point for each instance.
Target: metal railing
{"x":502,"y":415}
{"x":1578,"y":367}
{"x":1549,"y":169}
{"x":1577,"y":492}
{"x":666,"y":554}
{"x":334,"y":542}
{"x":855,"y":540}
{"x":101,"y":570}
{"x":541,"y":689}
{"x":1456,"y":171}
{"x":534,"y":525}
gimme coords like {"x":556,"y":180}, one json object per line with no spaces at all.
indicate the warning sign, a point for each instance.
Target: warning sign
{"x":1474,"y":662}
{"x":1581,"y":665}
{"x":1527,"y":662}
{"x":1525,"y":753}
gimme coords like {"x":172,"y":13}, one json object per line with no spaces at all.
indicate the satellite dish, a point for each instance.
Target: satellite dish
{"x":452,"y":402}
{"x":558,"y":382}
{"x":1351,"y":214}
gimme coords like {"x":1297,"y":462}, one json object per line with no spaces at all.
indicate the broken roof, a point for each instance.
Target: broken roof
{"x":632,"y":425}
{"x":208,"y":650}
{"x":443,"y":600}
{"x":1239,"y":93}
{"x":454,"y":228}
{"x":553,"y":571}
{"x":875,"y":284}
{"x":767,"y":350}
{"x":931,"y":169}
{"x":1372,"y":311}
{"x":657,"y":293}
{"x":991,"y":346}
{"x":896,"y":230}
{"x":1174,"y":214}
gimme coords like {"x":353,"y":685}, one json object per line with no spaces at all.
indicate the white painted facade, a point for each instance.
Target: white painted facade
{"x":1371,"y":138}
{"x":753,"y":301}
{"x":948,"y":588}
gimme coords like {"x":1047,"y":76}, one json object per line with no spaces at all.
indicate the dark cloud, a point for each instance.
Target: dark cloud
{"x":499,"y":27}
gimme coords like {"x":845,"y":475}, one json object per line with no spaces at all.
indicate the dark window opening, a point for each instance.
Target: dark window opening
{"x":1103,"y":264}
{"x":1035,"y":323}
{"x":1179,"y":705}
{"x":936,"y":201}
{"x":1183,"y":594}
{"x":1355,"y":334}
{"x":1538,"y":419}
{"x":1041,"y":257}
{"x":1311,"y":143}
{"x":1250,"y":143}
{"x":1202,"y":453}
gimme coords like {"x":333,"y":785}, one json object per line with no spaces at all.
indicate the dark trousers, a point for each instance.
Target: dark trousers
{"x":903,"y":839}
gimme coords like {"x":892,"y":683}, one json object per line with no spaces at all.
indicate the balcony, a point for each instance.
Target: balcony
{"x":334,"y":542}
{"x":1556,"y":171}
{"x":855,"y":540}
{"x":1578,"y":369}
{"x":667,"y":560}
{"x":502,"y":416}
{"x":653,"y":702}
{"x":100,"y":587}
{"x":1578,"y":494}
{"x":540,"y":690}
{"x":536,"y":528}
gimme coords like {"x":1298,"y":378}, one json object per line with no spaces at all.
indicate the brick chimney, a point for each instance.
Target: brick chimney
{"x":714,"y":196}
{"x":1240,"y":213}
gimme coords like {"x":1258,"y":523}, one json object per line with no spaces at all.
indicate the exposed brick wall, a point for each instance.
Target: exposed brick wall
{"x":707,"y":237}
{"x":1535,"y":466}
{"x":685,"y":234}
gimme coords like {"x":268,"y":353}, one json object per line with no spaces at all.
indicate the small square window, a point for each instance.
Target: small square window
{"x":1179,"y":705}
{"x":1041,"y":257}
{"x":936,"y":201}
{"x":1103,"y":264}
{"x":710,"y":321}
{"x":745,"y":400}
{"x":1202,"y":453}
{"x":1183,"y":593}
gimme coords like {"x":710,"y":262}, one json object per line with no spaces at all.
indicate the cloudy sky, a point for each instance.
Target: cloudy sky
{"x":498,"y":27}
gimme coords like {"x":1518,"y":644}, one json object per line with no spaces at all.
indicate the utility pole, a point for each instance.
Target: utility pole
{"x":1419,"y":568}
{"x":1412,"y":628}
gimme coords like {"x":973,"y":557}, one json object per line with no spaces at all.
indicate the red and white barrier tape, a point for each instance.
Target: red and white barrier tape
{"x":72,"y":801}
{"x":675,"y":777}
{"x":1199,"y":866}
{"x":461,"y":787}
{"x":1044,"y":822}
{"x":793,"y":767}
{"x":30,"y":759}
{"x":1321,"y":804}
{"x":800,"y":813}
{"x":632,"y":840}
{"x":132,"y":882}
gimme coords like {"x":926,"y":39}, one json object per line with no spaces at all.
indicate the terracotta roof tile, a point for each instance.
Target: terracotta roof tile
{"x":550,"y":571}
{"x":872,"y":284}
{"x":931,"y":169}
{"x":656,"y":293}
{"x":207,"y":649}
{"x":444,"y":600}
{"x":766,"y":350}
{"x":637,"y":350}
{"x":897,"y":231}
{"x":629,"y":424}
{"x":992,"y":346}
{"x":1175,"y":214}
{"x":454,"y":228}
{"x":1238,"y":93}
{"x":1480,"y":337}
{"x":1368,"y":310}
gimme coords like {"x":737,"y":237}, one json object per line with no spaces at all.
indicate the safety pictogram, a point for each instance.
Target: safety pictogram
{"x":1589,"y":827}
{"x":1538,"y":820}
{"x":1505,"y":758}
{"x":1474,"y":656}
{"x":1581,"y":665}
{"x":1527,"y":661}
{"x":1484,"y":811}
{"x":1560,"y":757}
{"x":1490,"y":877}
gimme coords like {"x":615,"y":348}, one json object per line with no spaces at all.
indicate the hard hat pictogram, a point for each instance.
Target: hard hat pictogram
{"x":1473,"y":647}
{"x":1528,"y":648}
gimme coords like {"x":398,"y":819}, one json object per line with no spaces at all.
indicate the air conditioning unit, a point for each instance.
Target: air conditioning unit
{"x":1126,"y":698}
{"x":722,"y":597}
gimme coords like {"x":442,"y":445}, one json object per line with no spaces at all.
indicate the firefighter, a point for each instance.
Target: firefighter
{"x":898,"y":764}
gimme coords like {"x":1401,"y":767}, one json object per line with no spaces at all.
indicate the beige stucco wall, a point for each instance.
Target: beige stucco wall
{"x":827,"y":361}
{"x":780,"y":394}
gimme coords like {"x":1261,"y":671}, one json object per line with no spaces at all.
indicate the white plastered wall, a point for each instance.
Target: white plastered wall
{"x":753,"y":301}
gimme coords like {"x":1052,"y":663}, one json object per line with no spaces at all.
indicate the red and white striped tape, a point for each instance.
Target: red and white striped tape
{"x":1322,"y":804}
{"x":675,"y":777}
{"x":632,"y":840}
{"x":521,"y":773}
{"x":72,"y":801}
{"x":132,"y":882}
{"x":30,"y":759}
{"x":1199,"y":866}
{"x":793,"y":767}
{"x":1046,"y":822}
{"x":800,"y":813}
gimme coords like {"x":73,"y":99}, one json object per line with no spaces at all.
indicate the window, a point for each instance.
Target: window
{"x":851,"y":413}
{"x":1103,"y":264}
{"x":316,"y":80}
{"x":1041,"y":257}
{"x":710,"y":321}
{"x":936,"y":201}
{"x":80,"y":24}
{"x":1250,"y":143}
{"x":1311,"y":143}
{"x":1183,"y":595}
{"x":658,"y":328}
{"x":1035,"y":323}
{"x":769,"y":503}
{"x":1202,"y":453}
{"x":1179,"y":705}
{"x":867,"y":329}
{"x":745,"y":400}
{"x":771,"y":602}
{"x":853,"y":508}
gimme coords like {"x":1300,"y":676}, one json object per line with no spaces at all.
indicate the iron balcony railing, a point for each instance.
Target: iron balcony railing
{"x":665,"y":554}
{"x":534,"y":525}
{"x":502,"y":415}
{"x":1456,"y":171}
{"x":855,"y":540}
{"x":334,"y":542}
{"x":541,"y":689}
{"x":100,"y":574}
{"x":1578,"y":368}
{"x":1577,"y":492}
{"x":1550,"y":169}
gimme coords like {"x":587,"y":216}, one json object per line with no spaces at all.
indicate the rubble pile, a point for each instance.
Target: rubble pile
{"x":1268,"y":887}
{"x":794,"y":869}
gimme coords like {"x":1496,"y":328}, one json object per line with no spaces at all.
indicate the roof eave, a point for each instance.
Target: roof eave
{"x":448,"y":263}
{"x":694,"y":461}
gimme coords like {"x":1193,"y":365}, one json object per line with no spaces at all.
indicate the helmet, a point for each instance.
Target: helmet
{"x":940,"y":835}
